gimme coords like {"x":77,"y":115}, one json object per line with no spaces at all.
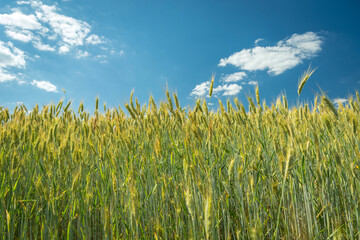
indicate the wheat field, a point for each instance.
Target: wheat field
{"x":159,"y":171}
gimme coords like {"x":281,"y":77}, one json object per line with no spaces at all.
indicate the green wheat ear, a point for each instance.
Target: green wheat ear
{"x":304,"y":78}
{"x":211,"y":86}
{"x":257,"y":95}
{"x":330,"y":106}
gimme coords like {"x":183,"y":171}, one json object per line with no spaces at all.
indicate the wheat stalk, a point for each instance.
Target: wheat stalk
{"x":304,"y":78}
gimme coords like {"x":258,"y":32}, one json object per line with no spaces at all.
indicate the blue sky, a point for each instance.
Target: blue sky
{"x":109,"y":48}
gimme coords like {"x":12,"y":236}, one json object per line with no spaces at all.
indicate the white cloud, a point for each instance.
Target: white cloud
{"x":45,"y":85}
{"x":47,"y":23}
{"x":228,"y":89}
{"x":258,"y":40}
{"x":42,"y":46}
{"x":309,"y":43}
{"x":234,"y":77}
{"x":120,"y":53}
{"x":22,"y":2}
{"x":279,"y":58}
{"x":252,"y":83}
{"x":94,"y":39}
{"x":11,"y":56}
{"x":19,"y":34}
{"x":47,"y":29}
{"x":100,"y":56}
{"x":72,"y":31}
{"x":64,"y":49}
{"x":5,"y":76}
{"x":201,"y":89}
{"x":339,"y":101}
{"x":20,"y":20}
{"x":82,"y":54}
{"x":52,"y":37}
{"x":20,"y":82}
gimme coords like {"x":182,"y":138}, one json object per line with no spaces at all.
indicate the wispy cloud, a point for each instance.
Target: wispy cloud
{"x":252,"y":83}
{"x":285,"y":55}
{"x":258,"y":40}
{"x":339,"y":101}
{"x":20,"y":34}
{"x":45,"y":85}
{"x":82,"y":54}
{"x":114,"y":52}
{"x":94,"y":39}
{"x":22,"y":2}
{"x":20,"y":20}
{"x":47,"y":28}
{"x":234,"y":77}
{"x":42,"y":46}
{"x":10,"y":57}
{"x":5,"y":76}
{"x":71,"y":31}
